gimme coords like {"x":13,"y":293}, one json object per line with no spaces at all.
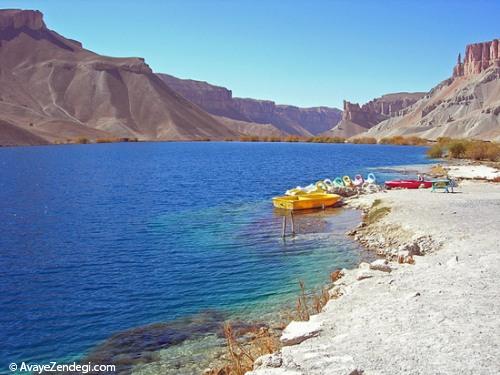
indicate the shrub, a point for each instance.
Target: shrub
{"x":363,"y":140}
{"x":292,"y":138}
{"x":403,"y":141}
{"x":273,"y":139}
{"x":444,"y":141}
{"x":435,"y":152}
{"x":105,"y":140}
{"x":456,"y":149}
{"x":249,"y":138}
{"x":416,"y":141}
{"x":82,"y":140}
{"x":477,"y":150}
{"x":241,"y":353}
{"x":326,"y":140}
{"x":438,"y":171}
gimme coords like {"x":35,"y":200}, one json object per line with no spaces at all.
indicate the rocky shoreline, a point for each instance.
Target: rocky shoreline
{"x":429,"y":305}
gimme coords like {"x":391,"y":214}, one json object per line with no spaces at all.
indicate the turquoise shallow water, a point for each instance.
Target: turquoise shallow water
{"x":103,"y":240}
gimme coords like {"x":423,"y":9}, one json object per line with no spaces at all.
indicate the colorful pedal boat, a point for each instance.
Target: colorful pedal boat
{"x":306,"y":201}
{"x":408,"y":184}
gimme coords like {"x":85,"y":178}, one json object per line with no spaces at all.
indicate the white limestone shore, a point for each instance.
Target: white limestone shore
{"x":440,"y":315}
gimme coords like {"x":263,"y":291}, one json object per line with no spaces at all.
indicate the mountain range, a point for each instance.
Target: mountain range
{"x":53,"y":90}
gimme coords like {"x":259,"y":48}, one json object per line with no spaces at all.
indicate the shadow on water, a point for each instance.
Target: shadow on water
{"x":141,"y":344}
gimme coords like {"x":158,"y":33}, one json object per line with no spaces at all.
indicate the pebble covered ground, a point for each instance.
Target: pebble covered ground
{"x":436,"y":316}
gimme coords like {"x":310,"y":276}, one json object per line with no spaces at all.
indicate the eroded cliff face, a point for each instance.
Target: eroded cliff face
{"x":52,"y":89}
{"x":16,"y":19}
{"x":478,"y":57}
{"x":467,"y":105}
{"x":219,"y":101}
{"x":359,"y":118}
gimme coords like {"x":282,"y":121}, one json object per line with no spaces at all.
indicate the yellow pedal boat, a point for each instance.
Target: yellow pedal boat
{"x":306,"y":201}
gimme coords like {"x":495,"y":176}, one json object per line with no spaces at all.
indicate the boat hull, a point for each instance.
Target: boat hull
{"x":305,"y":202}
{"x":408,"y":184}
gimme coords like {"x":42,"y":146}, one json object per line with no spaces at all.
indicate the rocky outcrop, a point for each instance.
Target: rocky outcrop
{"x":467,"y":105}
{"x":357,"y":119}
{"x":52,"y":89}
{"x":478,"y":58}
{"x":15,"y":19}
{"x":219,"y":101}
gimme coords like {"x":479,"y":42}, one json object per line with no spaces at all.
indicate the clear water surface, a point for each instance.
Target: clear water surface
{"x":99,"y":239}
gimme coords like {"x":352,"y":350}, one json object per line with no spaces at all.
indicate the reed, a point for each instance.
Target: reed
{"x":241,"y":354}
{"x":320,"y":299}
{"x":314,"y":301}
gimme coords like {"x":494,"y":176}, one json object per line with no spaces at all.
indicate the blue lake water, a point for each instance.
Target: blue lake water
{"x":100,"y":239}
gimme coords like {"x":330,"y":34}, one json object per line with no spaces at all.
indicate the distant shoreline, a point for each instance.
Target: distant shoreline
{"x":398,"y":141}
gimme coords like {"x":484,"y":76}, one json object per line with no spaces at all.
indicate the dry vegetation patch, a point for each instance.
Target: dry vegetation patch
{"x":465,"y":149}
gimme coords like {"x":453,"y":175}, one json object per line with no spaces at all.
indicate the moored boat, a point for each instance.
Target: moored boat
{"x":408,"y":184}
{"x":306,"y":201}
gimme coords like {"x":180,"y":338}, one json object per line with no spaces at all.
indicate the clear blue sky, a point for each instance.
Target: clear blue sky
{"x":305,"y":53}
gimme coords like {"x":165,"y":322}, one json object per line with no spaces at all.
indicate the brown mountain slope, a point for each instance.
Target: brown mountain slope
{"x":220,"y":101}
{"x":11,"y":135}
{"x":464,"y":106}
{"x":357,"y":119}
{"x":53,"y":88}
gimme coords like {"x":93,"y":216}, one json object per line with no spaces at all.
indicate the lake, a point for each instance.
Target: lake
{"x":106,"y":239}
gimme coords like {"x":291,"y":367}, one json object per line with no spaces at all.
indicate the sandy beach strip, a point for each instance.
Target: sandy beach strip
{"x":440,"y":315}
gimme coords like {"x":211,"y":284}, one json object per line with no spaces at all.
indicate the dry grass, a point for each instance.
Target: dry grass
{"x":293,"y":138}
{"x":301,"y":308}
{"x":82,"y":140}
{"x":241,"y":354}
{"x":312,"y":302}
{"x":375,"y":214}
{"x":249,"y":138}
{"x":438,"y":171}
{"x":289,"y":138}
{"x":326,"y":140}
{"x":467,"y":149}
{"x":243,"y":351}
{"x":403,"y":141}
{"x":456,"y":149}
{"x":477,"y":150}
{"x":336,"y":275}
{"x":364,"y":140}
{"x":435,"y":152}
